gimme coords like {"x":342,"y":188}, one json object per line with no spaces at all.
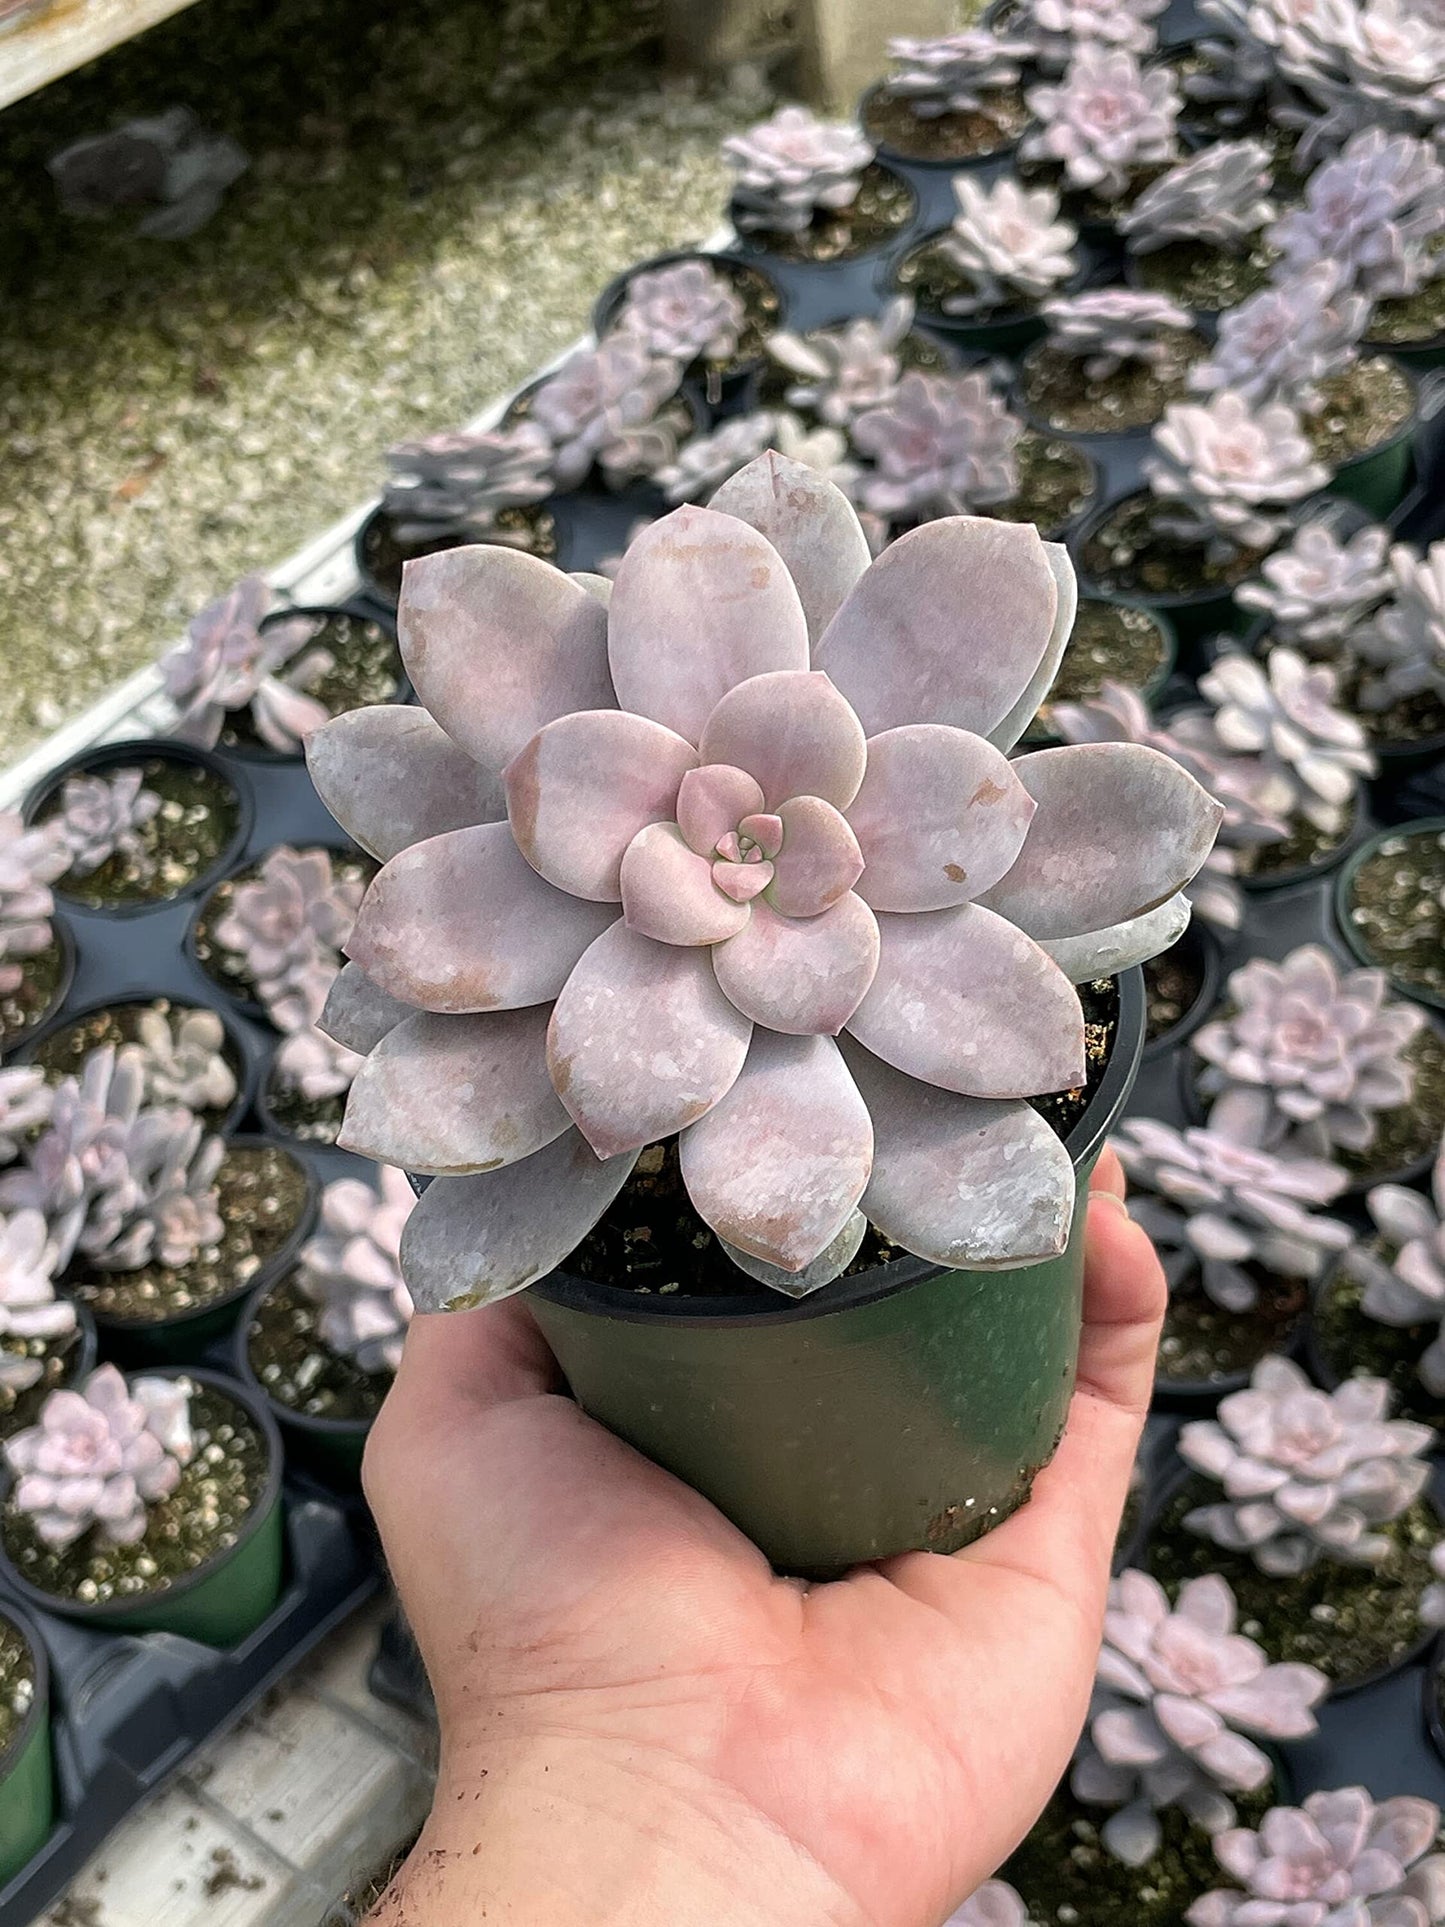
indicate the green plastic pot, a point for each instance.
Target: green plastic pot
{"x":224,"y":1599}
{"x":27,"y":1785}
{"x":1344,"y":883}
{"x":332,"y":1448}
{"x":909,"y":1407}
{"x":1378,"y":479}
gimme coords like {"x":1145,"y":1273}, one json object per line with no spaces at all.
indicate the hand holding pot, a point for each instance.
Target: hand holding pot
{"x":642,"y":1723}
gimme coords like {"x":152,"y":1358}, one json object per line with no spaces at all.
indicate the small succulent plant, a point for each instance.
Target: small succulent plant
{"x":26,"y":1099}
{"x":1307,"y":1057}
{"x":1107,"y":328}
{"x":1106,"y":120}
{"x":682,"y":311}
{"x":1404,"y":1283}
{"x":1370,"y":213}
{"x":1307,"y":1475}
{"x":1220,"y":197}
{"x":944,"y":444}
{"x":1219,"y":1207}
{"x":1286,"y":712}
{"x":789,"y":168}
{"x":314,"y":1064}
{"x":601,"y":408}
{"x":352,"y":1270}
{"x":844,"y":370}
{"x":693,"y":852}
{"x":1317,"y":590}
{"x":1060,"y":27}
{"x":102,"y":816}
{"x":705,"y":463}
{"x":1339,"y":1860}
{"x":29,"y":1307}
{"x":30,"y":861}
{"x":955,"y":73}
{"x":287,"y":926}
{"x":168,"y":1211}
{"x":458,"y":482}
{"x":229,"y":661}
{"x":98,"y":1457}
{"x":1405,"y":644}
{"x":1228,"y":471}
{"x":166,"y":162}
{"x":1179,"y":1700}
{"x":1280,"y":344}
{"x":1008,"y":242}
{"x":82,"y":1153}
{"x":1362,"y":66}
{"x":184,"y":1059}
{"x":995,"y":1904}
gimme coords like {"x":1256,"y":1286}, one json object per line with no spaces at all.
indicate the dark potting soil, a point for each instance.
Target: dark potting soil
{"x":1056,"y":483}
{"x":1172,"y":983}
{"x":366,"y":668}
{"x":931,"y":278}
{"x":187,"y":835}
{"x":1202,"y":1342}
{"x":884,"y":204}
{"x":1353,"y":1346}
{"x":227,"y":967}
{"x":1304,"y":847}
{"x":315,"y":1120}
{"x":202,"y":1518}
{"x":263,"y":1192}
{"x":17,"y":1683}
{"x":1134,"y":396}
{"x":1127,"y":554}
{"x":1350,"y":1621}
{"x":1413,"y":719}
{"x":383,"y":551}
{"x":762,"y":306}
{"x":893,"y":121}
{"x":34,"y":997}
{"x":1394,"y":907}
{"x":1089,"y":205}
{"x":651,"y":1240}
{"x":298,"y":1369}
{"x":1202,"y":277}
{"x":1406,"y":320}
{"x":59,"y":1357}
{"x":1366,"y":405}
{"x":1110,"y":643}
{"x":64,"y":1051}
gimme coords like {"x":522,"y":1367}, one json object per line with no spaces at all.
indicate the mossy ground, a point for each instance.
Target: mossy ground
{"x":366,"y":668}
{"x":884,"y":204}
{"x":1201,"y":277}
{"x":892,"y":122}
{"x":1060,"y":396}
{"x":64,"y":1051}
{"x":186,"y":837}
{"x":1350,"y":1345}
{"x":1128,"y":554}
{"x":17,"y":1683}
{"x":297,"y":1369}
{"x":1395,"y":906}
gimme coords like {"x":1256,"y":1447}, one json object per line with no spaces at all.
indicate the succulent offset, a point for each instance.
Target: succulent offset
{"x":1370,"y":213}
{"x":1220,"y":197}
{"x":1106,"y":120}
{"x":232,"y":660}
{"x":351,"y":1268}
{"x":943,"y":444}
{"x":1179,"y":1700}
{"x":682,"y":311}
{"x":1307,"y":1475}
{"x":1227,"y":470}
{"x":1404,"y":1283}
{"x":955,"y":73}
{"x":728,"y":806}
{"x":458,"y":482}
{"x":1287,"y":713}
{"x":287,"y":926}
{"x":315,"y":1065}
{"x":1219,"y":1207}
{"x":30,"y":861}
{"x":98,"y":1457}
{"x":183,"y":1056}
{"x":602,"y":407}
{"x":1318,"y":590}
{"x":1307,"y":1057}
{"x":102,"y":816}
{"x":29,"y":1307}
{"x":1008,"y":243}
{"x":1281,"y":343}
{"x":793,"y":166}
{"x":1405,"y":644}
{"x":1107,"y":329}
{"x":1340,"y":1859}
{"x":844,"y":370}
{"x":1059,"y":27}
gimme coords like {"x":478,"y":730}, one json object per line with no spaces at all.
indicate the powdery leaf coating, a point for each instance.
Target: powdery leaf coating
{"x":809,"y":522}
{"x":683,"y":310}
{"x":230,"y":660}
{"x":800,"y":975}
{"x":1405,"y":1284}
{"x":356,"y":1014}
{"x":1008,"y":241}
{"x":457,"y":482}
{"x":288,"y":925}
{"x":1221,"y":197}
{"x":956,"y":72}
{"x":790,"y":167}
{"x":1281,"y":343}
{"x":1227,"y":469}
{"x":1287,"y":714}
{"x":1105,"y":120}
{"x":1405,"y":644}
{"x":1109,"y":327}
{"x":351,"y":1269}
{"x":1318,"y":590}
{"x":1369,"y":212}
{"x":1306,"y":1474}
{"x":942,"y":445}
{"x":392,"y":777}
{"x":102,"y":816}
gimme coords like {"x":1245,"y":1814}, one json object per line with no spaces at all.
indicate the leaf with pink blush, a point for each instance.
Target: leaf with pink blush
{"x":456,"y":1094}
{"x":819,"y":862}
{"x":1005,"y":734}
{"x":463,"y":922}
{"x":793,"y":732}
{"x":1104,"y":953}
{"x":356,"y":1014}
{"x":701,"y":602}
{"x":831,"y":1262}
{"x":778,"y":1164}
{"x":472,"y":1240}
{"x":741,"y":882}
{"x":965,"y":1181}
{"x":948,"y":625}
{"x":1119,"y":829}
{"x":965,"y":1001}
{"x":392,"y":777}
{"x":809,"y":521}
{"x":939,"y":819}
{"x":669,"y":893}
{"x":643,"y":1041}
{"x":582,"y":789}
{"x":801,"y":974}
{"x":497,"y":643}
{"x":711,"y":802}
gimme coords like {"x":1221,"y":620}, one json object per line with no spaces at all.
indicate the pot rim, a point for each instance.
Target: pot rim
{"x":38,"y":1710}
{"x":1178,"y":1034}
{"x":605,"y":307}
{"x":1091,"y":522}
{"x":764,"y":1307}
{"x":64,"y":940}
{"x":313,"y":1423}
{"x":1422,"y":825}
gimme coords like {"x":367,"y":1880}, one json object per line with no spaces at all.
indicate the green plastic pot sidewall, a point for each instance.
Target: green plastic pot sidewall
{"x":1423,"y":826}
{"x":1378,"y":480}
{"x":27,"y":1800}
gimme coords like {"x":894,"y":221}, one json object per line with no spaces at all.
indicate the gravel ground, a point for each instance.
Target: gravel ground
{"x":437,"y":193}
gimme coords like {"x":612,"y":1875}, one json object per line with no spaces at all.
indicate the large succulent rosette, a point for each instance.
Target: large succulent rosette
{"x":739,"y":857}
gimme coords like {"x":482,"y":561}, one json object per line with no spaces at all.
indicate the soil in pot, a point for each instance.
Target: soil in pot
{"x":1201,"y":277}
{"x":1085,"y":207}
{"x":1061,"y":397}
{"x":17,"y":1685}
{"x":1110,"y":642}
{"x":188,"y":836}
{"x":200,"y":1521}
{"x":314,"y":1120}
{"x":892,"y":121}
{"x":264,"y":1193}
{"x":884,"y":205}
{"x":1128,"y":554}
{"x":1353,"y":1622}
{"x":42,"y":984}
{"x":1056,"y":484}
{"x":1174,"y":981}
{"x":1307,"y":847}
{"x":295,"y":1368}
{"x":1410,"y":320}
{"x":62,"y":1359}
{"x":762,"y":312}
{"x":1203,"y":1344}
{"x":226,"y":967}
{"x":1411,"y":719}
{"x":365,"y":668}
{"x":381,"y":551}
{"x":1350,"y":1345}
{"x":1365,"y":405}
{"x":64,"y":1051}
{"x":927,"y":273}
{"x":1394,"y":909}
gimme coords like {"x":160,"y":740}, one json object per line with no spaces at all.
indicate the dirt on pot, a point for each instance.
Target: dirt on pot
{"x":1395,"y":907}
{"x":1202,"y":1343}
{"x":1127,"y":554}
{"x":1201,"y":277}
{"x":64,"y":1051}
{"x":1349,"y":1344}
{"x":1062,"y":397}
{"x":885,"y":203}
{"x":17,"y":1682}
{"x":296,"y":1368}
{"x":188,"y":835}
{"x":890,"y":120}
{"x":366,"y":668}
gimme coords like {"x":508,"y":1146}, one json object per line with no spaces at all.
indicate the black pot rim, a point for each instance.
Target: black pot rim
{"x":755,"y":240}
{"x":951,"y":164}
{"x":1089,"y":525}
{"x":763,"y":1307}
{"x":104,"y":1611}
{"x":261,"y":755}
{"x":605,"y":307}
{"x":1419,"y":826}
{"x":376,"y":601}
{"x":143,"y":749}
{"x":39,"y":1707}
{"x":1198,"y":932}
{"x":314,"y":1424}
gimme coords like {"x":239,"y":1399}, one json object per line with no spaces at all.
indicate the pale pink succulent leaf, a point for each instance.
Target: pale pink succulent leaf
{"x":497,"y":643}
{"x":668,"y":891}
{"x":778,"y":1164}
{"x":392,"y":777}
{"x":940,"y":818}
{"x":801,"y":975}
{"x":811,"y":524}
{"x":831,"y":1262}
{"x":463,"y":922}
{"x":599,"y":586}
{"x":712,"y":802}
{"x":794,"y":732}
{"x":965,"y":1001}
{"x":819,"y":862}
{"x":450,"y":1095}
{"x":356,"y":1014}
{"x":1104,"y":953}
{"x":1005,"y":734}
{"x":582,"y":789}
{"x":627,"y":1078}
{"x":701,"y":602}
{"x":950,"y":622}
{"x":475,"y":1239}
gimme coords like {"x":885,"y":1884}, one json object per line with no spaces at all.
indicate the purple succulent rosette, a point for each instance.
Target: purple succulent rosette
{"x":760,"y":799}
{"x":1408,"y":1288}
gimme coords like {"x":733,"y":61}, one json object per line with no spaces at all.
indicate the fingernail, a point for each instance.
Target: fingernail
{"x":1112,"y":1198}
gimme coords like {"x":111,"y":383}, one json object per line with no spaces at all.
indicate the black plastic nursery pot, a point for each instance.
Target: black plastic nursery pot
{"x":329,"y":1448}
{"x":224,"y":1598}
{"x":1195,"y":617}
{"x":1343,"y":897}
{"x":904,"y":1408}
{"x":1199,"y":951}
{"x":27,"y":1781}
